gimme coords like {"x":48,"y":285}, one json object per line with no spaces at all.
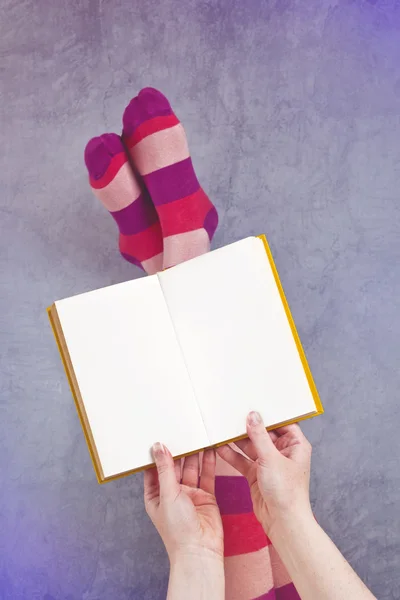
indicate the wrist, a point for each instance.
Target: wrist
{"x":287,"y":523}
{"x":197,"y":573}
{"x":194,"y":555}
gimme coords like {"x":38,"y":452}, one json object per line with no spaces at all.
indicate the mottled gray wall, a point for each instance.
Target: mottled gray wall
{"x":292,"y":110}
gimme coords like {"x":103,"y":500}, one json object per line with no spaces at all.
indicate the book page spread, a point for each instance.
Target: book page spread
{"x":131,"y":375}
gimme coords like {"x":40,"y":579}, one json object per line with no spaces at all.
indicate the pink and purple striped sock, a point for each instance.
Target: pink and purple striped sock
{"x":158,"y":147}
{"x":253,"y":569}
{"x":115,"y":185}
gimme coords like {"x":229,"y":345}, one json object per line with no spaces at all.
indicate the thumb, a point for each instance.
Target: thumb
{"x":169,"y":487}
{"x":260,"y":438}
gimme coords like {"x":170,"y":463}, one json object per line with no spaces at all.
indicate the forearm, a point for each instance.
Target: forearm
{"x":196,"y":577}
{"x":317,"y":568}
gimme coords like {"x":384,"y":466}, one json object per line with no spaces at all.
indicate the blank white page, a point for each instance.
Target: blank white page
{"x":236,"y":339}
{"x":131,"y":375}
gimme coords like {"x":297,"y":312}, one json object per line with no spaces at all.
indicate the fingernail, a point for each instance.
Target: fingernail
{"x":158,"y":449}
{"x":254,"y":418}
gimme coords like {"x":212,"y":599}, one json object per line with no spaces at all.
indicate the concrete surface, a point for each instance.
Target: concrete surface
{"x":292,"y":110}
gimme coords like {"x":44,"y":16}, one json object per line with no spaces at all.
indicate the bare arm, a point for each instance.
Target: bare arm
{"x":181,"y":503}
{"x":277,"y":466}
{"x":317,"y":568}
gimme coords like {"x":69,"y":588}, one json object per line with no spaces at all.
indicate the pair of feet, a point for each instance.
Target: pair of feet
{"x":146,"y":180}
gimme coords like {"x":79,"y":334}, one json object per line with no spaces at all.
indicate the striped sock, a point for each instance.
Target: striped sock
{"x":158,"y":147}
{"x":115,"y":185}
{"x":253,"y":569}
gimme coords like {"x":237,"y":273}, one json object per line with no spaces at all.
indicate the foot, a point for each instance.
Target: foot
{"x":115,"y":185}
{"x":157,"y":144}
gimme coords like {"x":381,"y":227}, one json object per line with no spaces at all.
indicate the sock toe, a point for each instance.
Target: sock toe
{"x":149,"y":103}
{"x":99,"y":153}
{"x":154,"y":102}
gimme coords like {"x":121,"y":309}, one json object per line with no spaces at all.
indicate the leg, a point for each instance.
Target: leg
{"x":158,"y":147}
{"x":115,"y":185}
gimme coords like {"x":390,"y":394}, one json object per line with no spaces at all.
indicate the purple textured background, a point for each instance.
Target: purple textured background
{"x":292,"y":110}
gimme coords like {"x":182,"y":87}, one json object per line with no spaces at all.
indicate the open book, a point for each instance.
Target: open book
{"x":181,"y":357}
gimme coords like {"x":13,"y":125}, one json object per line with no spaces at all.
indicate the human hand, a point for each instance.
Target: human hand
{"x":183,"y":508}
{"x":277,"y":467}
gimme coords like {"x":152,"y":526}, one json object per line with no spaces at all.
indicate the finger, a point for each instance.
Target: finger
{"x":169,"y":487}
{"x":292,"y":430}
{"x":294,"y":439}
{"x":178,"y":469}
{"x":207,"y":477}
{"x":151,"y":487}
{"x":273,"y":435}
{"x":236,"y":460}
{"x":257,"y":433}
{"x":247,"y":447}
{"x":290,"y":436}
{"x":295,"y":434}
{"x":190,"y":472}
